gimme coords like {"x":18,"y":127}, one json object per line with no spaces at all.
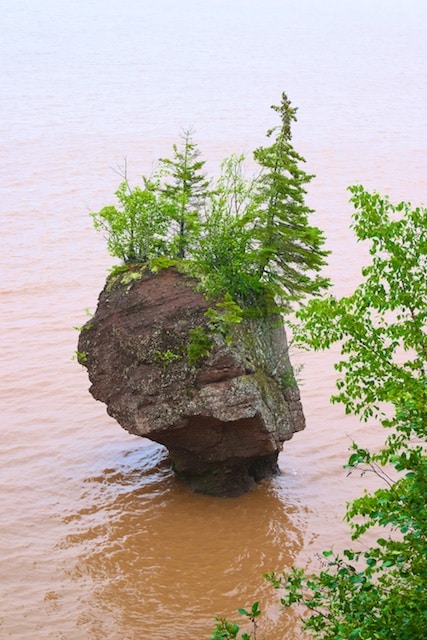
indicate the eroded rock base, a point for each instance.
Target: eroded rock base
{"x":229,"y":479}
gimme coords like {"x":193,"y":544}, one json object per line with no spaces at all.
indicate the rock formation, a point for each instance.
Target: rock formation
{"x":224,"y":415}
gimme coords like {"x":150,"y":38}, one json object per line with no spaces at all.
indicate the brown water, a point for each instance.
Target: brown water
{"x":97,"y":538}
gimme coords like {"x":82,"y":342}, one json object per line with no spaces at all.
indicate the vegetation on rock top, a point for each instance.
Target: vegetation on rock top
{"x":250,"y":239}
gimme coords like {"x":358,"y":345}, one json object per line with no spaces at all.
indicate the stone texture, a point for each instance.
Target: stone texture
{"x":223,"y":419}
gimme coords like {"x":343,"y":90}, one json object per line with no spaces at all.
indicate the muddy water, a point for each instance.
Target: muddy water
{"x":97,"y":538}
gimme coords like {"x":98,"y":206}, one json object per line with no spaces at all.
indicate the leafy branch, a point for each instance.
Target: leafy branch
{"x":378,"y":594}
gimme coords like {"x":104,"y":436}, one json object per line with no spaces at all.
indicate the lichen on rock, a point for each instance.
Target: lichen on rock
{"x":224,"y":415}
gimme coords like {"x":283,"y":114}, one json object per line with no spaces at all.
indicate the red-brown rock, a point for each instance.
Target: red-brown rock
{"x":224,"y":418}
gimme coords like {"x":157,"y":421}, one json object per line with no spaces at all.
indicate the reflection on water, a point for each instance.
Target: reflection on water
{"x":159,"y":557}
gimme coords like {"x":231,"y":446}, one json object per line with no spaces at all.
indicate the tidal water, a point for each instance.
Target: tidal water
{"x":98,"y":540}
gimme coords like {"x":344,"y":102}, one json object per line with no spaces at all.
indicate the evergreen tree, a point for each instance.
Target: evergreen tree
{"x":183,"y":192}
{"x":289,"y":249}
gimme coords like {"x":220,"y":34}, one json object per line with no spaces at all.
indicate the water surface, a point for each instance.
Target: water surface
{"x":97,"y":538}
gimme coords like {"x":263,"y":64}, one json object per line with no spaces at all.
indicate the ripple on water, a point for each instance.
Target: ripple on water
{"x":154,"y":555}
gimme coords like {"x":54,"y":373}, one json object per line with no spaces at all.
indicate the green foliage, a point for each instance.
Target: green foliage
{"x":226,"y":630}
{"x":288,"y":248}
{"x":254,"y":612}
{"x":162,"y":262}
{"x":84,"y":327}
{"x":248,"y":238}
{"x":289,"y":377}
{"x":224,"y":257}
{"x":199,"y":345}
{"x":118,"y":270}
{"x":183,"y":191}
{"x":125,"y":274}
{"x":377,"y":593}
{"x":225,"y":317}
{"x":382,"y":324}
{"x":221,"y":320}
{"x":130,"y":276}
{"x":80,"y":356}
{"x":166,"y":357}
{"x":136,"y":229}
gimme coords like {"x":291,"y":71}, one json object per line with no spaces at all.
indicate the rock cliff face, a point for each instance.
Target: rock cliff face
{"x":223,"y":417}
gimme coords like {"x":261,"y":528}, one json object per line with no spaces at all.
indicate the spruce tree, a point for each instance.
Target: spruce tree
{"x":183,"y":194}
{"x":289,"y":249}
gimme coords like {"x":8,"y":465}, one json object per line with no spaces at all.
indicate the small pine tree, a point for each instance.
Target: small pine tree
{"x":289,"y":249}
{"x":184,"y":194}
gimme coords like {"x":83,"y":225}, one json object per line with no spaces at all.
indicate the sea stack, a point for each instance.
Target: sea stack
{"x":222,"y":400}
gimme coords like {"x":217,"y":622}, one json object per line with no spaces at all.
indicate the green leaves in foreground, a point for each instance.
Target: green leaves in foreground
{"x":382,"y":324}
{"x":378,"y":593}
{"x":226,"y":630}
